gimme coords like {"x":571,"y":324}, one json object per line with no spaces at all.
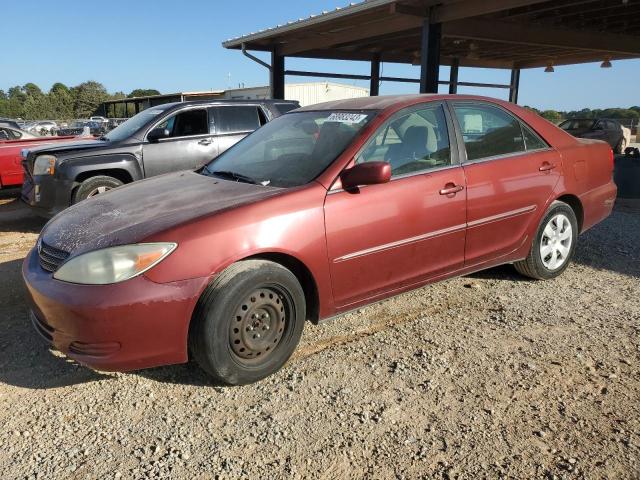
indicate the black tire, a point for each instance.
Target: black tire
{"x":89,"y":187}
{"x":533,"y":265}
{"x":223,"y":324}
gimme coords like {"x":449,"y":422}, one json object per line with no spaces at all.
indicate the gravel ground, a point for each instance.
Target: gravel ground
{"x":484,"y":376}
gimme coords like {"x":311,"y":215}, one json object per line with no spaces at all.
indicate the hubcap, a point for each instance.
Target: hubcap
{"x":258,"y":324}
{"x":555,"y":243}
{"x":97,"y":191}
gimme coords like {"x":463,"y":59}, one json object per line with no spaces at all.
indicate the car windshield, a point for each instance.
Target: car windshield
{"x":291,"y":150}
{"x":576,"y":124}
{"x":131,"y":126}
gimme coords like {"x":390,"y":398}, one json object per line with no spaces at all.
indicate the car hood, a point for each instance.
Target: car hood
{"x":134,"y":212}
{"x":70,"y":147}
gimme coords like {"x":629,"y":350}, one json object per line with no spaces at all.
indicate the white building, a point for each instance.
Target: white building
{"x":305,"y":93}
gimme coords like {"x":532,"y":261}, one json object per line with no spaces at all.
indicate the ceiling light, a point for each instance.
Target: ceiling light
{"x":606,"y":63}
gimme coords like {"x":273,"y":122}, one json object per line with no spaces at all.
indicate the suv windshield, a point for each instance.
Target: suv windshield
{"x":131,"y":126}
{"x":291,"y":150}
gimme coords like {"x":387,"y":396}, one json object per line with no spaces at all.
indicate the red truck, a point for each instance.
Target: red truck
{"x":11,"y":173}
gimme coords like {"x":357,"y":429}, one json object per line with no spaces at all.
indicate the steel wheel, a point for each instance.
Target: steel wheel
{"x":555,"y":244}
{"x":259,"y":324}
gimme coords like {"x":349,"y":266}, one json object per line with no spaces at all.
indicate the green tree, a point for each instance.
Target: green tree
{"x":61,"y":101}
{"x":141,"y":92}
{"x":552,"y":115}
{"x":87,"y":98}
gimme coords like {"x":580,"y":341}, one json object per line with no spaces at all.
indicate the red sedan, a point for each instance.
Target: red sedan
{"x":323,"y":210}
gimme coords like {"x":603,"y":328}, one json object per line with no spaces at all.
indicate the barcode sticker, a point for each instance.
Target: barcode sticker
{"x":344,"y":117}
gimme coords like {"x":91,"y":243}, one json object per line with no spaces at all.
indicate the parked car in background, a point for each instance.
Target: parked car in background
{"x":78,"y":127}
{"x":323,"y":210}
{"x":99,"y":119}
{"x":161,"y":139}
{"x":11,"y":170}
{"x":10,"y":123}
{"x":44,"y":127}
{"x":604,"y":129}
{"x":8,"y":132}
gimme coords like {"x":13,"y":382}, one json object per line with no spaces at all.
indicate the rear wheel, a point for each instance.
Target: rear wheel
{"x":95,"y":186}
{"x":553,"y":246}
{"x":248,"y":322}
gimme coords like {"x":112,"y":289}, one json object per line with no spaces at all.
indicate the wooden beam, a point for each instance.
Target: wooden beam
{"x":475,"y":8}
{"x":524,"y":34}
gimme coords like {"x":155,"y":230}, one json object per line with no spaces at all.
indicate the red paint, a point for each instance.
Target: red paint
{"x":11,"y":174}
{"x":360,"y":245}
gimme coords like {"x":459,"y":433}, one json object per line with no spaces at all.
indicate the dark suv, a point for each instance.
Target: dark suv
{"x":161,"y":139}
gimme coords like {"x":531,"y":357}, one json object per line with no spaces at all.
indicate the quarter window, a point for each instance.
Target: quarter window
{"x":411,"y":142}
{"x":237,"y":119}
{"x":488,"y":131}
{"x":531,"y":140}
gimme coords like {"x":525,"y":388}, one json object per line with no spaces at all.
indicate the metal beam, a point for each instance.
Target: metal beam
{"x":374,"y":86}
{"x":527,"y":34}
{"x":515,"y":85}
{"x":453,"y":76}
{"x":474,"y":8}
{"x":430,"y":56}
{"x":276,"y":76}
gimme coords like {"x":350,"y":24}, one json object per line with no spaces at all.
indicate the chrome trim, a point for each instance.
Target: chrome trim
{"x":500,"y":216}
{"x":406,"y":241}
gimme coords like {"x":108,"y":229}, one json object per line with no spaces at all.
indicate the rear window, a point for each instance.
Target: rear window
{"x":236,"y":119}
{"x":285,"y":107}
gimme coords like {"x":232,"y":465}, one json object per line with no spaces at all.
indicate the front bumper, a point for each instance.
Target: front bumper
{"x":46,"y":194}
{"x":121,"y":327}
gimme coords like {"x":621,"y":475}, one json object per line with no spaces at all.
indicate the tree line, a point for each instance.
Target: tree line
{"x":632,"y":113}
{"x":61,"y":102}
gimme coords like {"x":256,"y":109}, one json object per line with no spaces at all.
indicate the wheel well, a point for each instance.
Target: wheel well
{"x":576,"y":205}
{"x":304,"y":276}
{"x":121,"y":175}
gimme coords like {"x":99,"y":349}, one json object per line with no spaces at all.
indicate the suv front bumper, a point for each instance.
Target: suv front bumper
{"x":46,"y":194}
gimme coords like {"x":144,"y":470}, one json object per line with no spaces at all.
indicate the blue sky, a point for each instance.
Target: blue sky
{"x":176,"y":46}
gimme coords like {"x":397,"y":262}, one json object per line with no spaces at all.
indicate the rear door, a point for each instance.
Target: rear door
{"x":234,"y":122}
{"x":383,"y":238}
{"x":189,"y":146}
{"x":511,"y":173}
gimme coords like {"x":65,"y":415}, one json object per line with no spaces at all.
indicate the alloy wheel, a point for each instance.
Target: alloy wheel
{"x":555,"y":244}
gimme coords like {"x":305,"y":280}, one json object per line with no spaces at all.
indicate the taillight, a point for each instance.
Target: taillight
{"x":613,"y":159}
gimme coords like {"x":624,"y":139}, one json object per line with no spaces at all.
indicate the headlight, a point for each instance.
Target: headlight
{"x":44,"y":165}
{"x":113,"y":265}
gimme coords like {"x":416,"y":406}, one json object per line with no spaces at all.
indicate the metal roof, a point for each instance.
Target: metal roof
{"x":487,"y":33}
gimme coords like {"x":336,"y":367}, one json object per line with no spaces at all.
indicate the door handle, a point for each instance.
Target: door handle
{"x":545,"y":167}
{"x":451,"y":189}
{"x":204,"y":141}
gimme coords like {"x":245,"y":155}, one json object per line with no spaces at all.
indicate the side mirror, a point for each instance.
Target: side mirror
{"x":368,"y":173}
{"x":158,"y":133}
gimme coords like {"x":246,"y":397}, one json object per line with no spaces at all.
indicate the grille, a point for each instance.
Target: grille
{"x":51,"y":258}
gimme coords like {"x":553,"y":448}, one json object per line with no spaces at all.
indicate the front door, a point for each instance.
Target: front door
{"x":511,"y":174}
{"x":383,"y":238}
{"x":190,"y":144}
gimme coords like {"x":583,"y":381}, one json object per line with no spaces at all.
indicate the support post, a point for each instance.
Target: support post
{"x":430,"y":56}
{"x":277,"y":76}
{"x":515,"y":85}
{"x":453,"y":76}
{"x":374,"y":87}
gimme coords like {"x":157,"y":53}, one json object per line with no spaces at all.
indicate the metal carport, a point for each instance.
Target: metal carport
{"x":505,"y":34}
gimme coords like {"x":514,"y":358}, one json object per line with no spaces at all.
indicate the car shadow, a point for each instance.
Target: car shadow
{"x":16,"y":217}
{"x":26,"y":360}
{"x":183,"y":374}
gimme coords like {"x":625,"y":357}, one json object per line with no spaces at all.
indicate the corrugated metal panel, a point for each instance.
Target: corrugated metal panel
{"x":318,"y":92}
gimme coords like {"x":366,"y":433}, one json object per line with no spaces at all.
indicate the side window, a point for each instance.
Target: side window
{"x":488,"y":131}
{"x":411,"y":142}
{"x":187,"y":123}
{"x":236,"y":119}
{"x":531,"y":140}
{"x":4,"y":134}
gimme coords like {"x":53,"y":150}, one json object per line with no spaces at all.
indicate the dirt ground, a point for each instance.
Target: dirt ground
{"x":487,"y":376}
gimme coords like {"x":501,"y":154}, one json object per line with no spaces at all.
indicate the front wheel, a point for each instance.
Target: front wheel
{"x":94,"y":186}
{"x":248,"y":322}
{"x":553,"y":246}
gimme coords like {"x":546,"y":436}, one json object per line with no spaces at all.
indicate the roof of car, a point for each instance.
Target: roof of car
{"x":227,"y":102}
{"x":383,"y":102}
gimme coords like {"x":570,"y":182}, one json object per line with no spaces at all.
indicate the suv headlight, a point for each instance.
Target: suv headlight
{"x":114,"y":264}
{"x":44,"y":165}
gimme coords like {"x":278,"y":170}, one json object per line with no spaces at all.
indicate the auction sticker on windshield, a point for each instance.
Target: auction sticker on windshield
{"x":344,"y":117}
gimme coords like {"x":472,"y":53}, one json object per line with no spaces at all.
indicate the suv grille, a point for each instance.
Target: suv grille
{"x":51,"y":258}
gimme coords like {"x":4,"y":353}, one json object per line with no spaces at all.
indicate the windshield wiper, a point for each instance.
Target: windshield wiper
{"x":104,"y":138}
{"x":238,"y":177}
